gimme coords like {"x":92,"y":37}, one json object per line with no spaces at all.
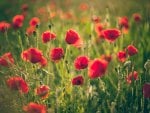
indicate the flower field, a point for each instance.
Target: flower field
{"x":72,"y":56}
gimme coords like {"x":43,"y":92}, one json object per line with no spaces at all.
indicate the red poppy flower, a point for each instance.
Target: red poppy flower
{"x":35,"y":108}
{"x":123,"y":22}
{"x":6,"y":59}
{"x":81,"y":62}
{"x":137,"y":17}
{"x":73,"y":38}
{"x":111,"y":34}
{"x":52,"y":6}
{"x":78,"y":80}
{"x":34,"y":21}
{"x":32,"y":55}
{"x":98,"y":29}
{"x":43,"y":91}
{"x":25,"y":55}
{"x":97,"y":68}
{"x":24,"y":7}
{"x":56,"y":54}
{"x":146,"y":90}
{"x":95,"y":19}
{"x":18,"y":21}
{"x":53,"y":14}
{"x":47,"y":36}
{"x":43,"y":62}
{"x":132,"y":76}
{"x":4,"y":26}
{"x":108,"y":58}
{"x":83,"y":6}
{"x":41,"y":11}
{"x":18,"y":83}
{"x":132,"y":50}
{"x":30,"y":30}
{"x":122,"y":56}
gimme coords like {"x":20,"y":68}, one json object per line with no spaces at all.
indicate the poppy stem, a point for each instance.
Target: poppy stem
{"x":20,"y":41}
{"x":145,"y":106}
{"x":6,"y":36}
{"x":121,"y":41}
{"x":27,"y":40}
{"x":37,"y":36}
{"x":66,"y":54}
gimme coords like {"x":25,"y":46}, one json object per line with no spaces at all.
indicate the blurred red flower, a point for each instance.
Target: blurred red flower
{"x":137,"y":17}
{"x":95,"y":19}
{"x":122,"y":56}
{"x":33,"y":55}
{"x":35,"y":108}
{"x":124,"y":24}
{"x":18,"y":83}
{"x":6,"y":59}
{"x":81,"y":62}
{"x":146,"y":90}
{"x":132,"y":50}
{"x":56,"y":54}
{"x":47,"y":36}
{"x":98,"y":29}
{"x":24,"y":7}
{"x":4,"y":26}
{"x":132,"y":76}
{"x":97,"y":68}
{"x":83,"y":6}
{"x":30,"y":30}
{"x":53,"y":14}
{"x":41,"y":10}
{"x":42,"y":91}
{"x":78,"y":80}
{"x":111,"y":34}
{"x":43,"y":62}
{"x":73,"y":38}
{"x":18,"y":21}
{"x":34,"y":21}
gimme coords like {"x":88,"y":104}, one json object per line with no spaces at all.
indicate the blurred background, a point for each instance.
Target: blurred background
{"x":9,"y":8}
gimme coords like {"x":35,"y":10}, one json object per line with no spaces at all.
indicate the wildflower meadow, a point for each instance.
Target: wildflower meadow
{"x":74,"y":56}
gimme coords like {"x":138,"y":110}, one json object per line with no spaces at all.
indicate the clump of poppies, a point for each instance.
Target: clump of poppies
{"x":34,"y":56}
{"x":17,"y":83}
